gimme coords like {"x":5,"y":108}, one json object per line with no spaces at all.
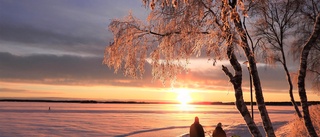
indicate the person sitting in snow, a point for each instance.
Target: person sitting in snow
{"x":219,"y":132}
{"x":196,"y":129}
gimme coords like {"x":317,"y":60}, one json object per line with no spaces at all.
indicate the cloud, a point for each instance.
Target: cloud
{"x":52,"y":68}
{"x":89,"y":71}
{"x":12,"y":90}
{"x":59,"y":27}
{"x":64,"y":70}
{"x":209,"y":77}
{"x":28,"y":36}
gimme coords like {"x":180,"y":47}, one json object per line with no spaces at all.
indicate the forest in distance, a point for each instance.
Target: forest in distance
{"x":150,"y":102}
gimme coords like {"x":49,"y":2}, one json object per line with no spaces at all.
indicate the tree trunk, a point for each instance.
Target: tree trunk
{"x":236,"y":81}
{"x":284,"y":64}
{"x":302,"y":74}
{"x":256,"y":80}
{"x":255,"y":77}
{"x":295,"y":106}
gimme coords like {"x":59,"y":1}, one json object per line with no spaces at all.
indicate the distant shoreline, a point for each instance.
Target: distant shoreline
{"x":146,"y":102}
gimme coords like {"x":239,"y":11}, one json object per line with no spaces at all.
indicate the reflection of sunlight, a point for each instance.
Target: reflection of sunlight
{"x":184,"y":98}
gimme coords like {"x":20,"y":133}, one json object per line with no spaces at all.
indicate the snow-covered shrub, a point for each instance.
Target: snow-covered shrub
{"x":296,"y":128}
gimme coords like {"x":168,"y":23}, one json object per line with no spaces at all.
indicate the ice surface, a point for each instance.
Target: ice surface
{"x":140,"y":120}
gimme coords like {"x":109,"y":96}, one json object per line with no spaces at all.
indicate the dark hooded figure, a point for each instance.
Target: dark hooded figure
{"x":196,"y":129}
{"x":219,"y":132}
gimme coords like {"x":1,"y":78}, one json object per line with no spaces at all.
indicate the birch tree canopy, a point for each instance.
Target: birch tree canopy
{"x":174,"y":32}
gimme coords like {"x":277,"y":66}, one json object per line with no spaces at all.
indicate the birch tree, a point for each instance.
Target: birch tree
{"x":274,"y":28}
{"x":314,"y":37}
{"x":180,"y":29}
{"x":309,"y":13}
{"x":306,"y":48}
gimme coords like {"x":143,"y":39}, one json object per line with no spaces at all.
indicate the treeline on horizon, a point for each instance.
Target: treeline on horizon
{"x":150,"y":102}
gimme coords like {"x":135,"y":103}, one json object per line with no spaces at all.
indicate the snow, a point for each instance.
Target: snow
{"x":293,"y":128}
{"x":297,"y":128}
{"x":137,"y":120}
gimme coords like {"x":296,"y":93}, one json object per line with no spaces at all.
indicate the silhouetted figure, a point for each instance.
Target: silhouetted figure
{"x":219,"y":132}
{"x":196,"y":129}
{"x":49,"y":109}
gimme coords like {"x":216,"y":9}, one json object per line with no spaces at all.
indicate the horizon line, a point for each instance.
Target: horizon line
{"x":89,"y":101}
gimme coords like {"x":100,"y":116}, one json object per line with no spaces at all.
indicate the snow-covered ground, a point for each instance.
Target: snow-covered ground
{"x":136,"y":120}
{"x":296,"y":127}
{"x":283,"y":128}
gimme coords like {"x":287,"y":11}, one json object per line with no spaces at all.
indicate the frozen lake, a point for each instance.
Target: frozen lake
{"x":143,"y":120}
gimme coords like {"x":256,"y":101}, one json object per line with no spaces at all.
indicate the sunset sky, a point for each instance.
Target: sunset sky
{"x":53,"y":49}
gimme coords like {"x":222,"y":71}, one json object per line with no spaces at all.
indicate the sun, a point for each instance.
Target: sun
{"x":184,"y":96}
